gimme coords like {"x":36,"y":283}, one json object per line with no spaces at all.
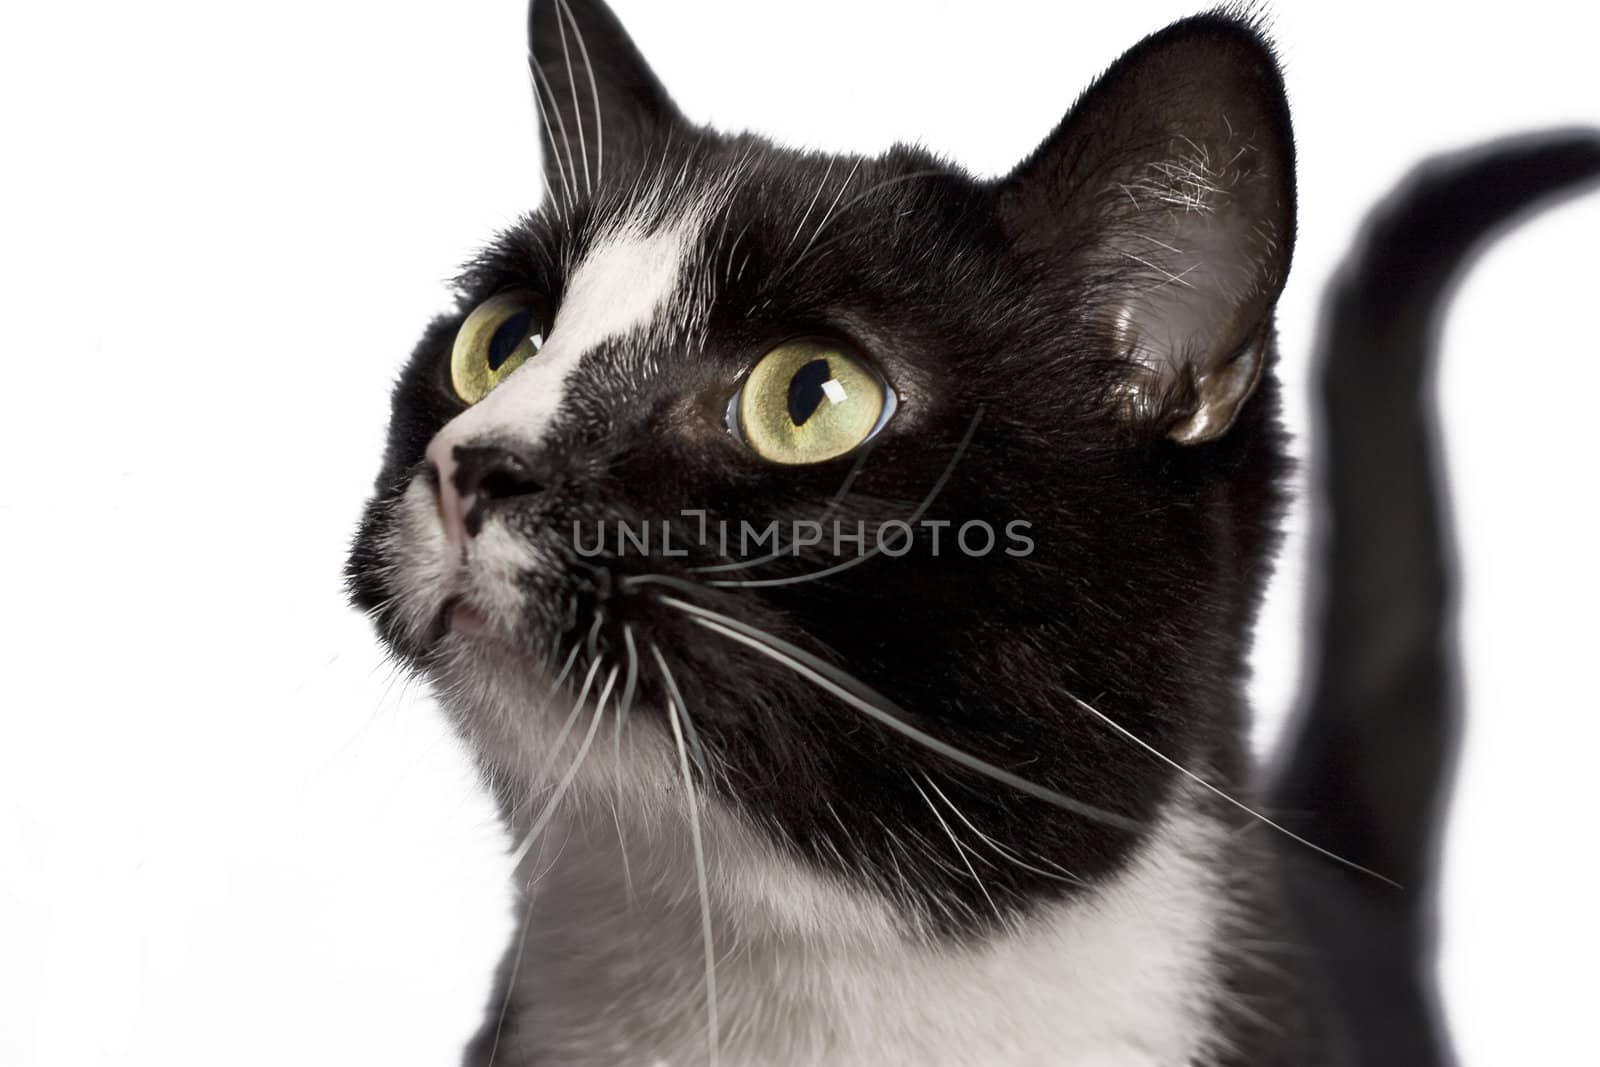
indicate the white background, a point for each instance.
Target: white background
{"x":229,"y":835}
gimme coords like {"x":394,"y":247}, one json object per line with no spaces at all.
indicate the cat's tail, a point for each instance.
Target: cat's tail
{"x":1366,"y":768}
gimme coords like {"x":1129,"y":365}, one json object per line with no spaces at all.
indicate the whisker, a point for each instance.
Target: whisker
{"x":848,"y":178}
{"x":625,"y":705}
{"x":566,"y":669}
{"x":522,"y":948}
{"x":1167,"y":274}
{"x":713,"y":1036}
{"x":676,"y":694}
{"x":511,"y":979}
{"x":814,"y":198}
{"x":727,"y":274}
{"x":839,"y":238}
{"x":680,"y":584}
{"x":622,"y":850}
{"x":1187,"y":773}
{"x":566,"y":727}
{"x":527,"y":912}
{"x":854,"y":200}
{"x":542,"y":82}
{"x":922,"y":508}
{"x":1004,"y":852}
{"x":577,"y":108}
{"x":961,"y":851}
{"x":875,"y":705}
{"x":567,"y":779}
{"x":827,"y":509}
{"x":599,"y":124}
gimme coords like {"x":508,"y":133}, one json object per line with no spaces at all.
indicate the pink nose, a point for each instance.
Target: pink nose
{"x":472,"y":477}
{"x":441,"y":457}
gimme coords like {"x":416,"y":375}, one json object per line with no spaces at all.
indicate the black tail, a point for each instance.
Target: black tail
{"x":1366,"y":771}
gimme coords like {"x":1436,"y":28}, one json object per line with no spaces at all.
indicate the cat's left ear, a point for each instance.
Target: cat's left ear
{"x":1169,"y":187}
{"x":601,"y":107}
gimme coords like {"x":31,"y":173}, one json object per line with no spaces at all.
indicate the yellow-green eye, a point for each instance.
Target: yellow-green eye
{"x":809,"y":401}
{"x":500,"y":335}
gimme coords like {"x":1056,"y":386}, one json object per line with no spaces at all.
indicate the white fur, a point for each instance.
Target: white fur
{"x":418,"y":566}
{"x":813,"y":972}
{"x":626,"y":281}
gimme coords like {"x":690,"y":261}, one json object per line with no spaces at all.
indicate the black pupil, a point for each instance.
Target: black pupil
{"x":805,"y":390}
{"x":511,"y":333}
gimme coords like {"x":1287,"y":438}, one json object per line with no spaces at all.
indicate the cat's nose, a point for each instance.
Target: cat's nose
{"x":472,"y":477}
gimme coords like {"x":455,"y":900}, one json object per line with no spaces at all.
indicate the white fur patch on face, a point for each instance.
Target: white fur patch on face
{"x":627,"y":281}
{"x":418,"y":566}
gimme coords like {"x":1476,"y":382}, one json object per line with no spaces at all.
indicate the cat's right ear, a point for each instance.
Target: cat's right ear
{"x":601,"y":107}
{"x":1164,"y":204}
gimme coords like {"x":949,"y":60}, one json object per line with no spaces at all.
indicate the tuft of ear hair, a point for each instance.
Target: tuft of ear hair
{"x":1171,"y":184}
{"x":600,"y":104}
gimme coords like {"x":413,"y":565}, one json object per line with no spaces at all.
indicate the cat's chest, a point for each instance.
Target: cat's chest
{"x":810,"y":972}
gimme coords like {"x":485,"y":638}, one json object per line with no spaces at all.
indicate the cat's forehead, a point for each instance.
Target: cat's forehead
{"x":640,"y":276}
{"x":755,"y":202}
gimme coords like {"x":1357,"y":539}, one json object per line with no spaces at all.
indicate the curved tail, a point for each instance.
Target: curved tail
{"x":1366,"y":770}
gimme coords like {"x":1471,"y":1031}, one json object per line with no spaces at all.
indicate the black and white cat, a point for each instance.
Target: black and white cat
{"x":842,"y":570}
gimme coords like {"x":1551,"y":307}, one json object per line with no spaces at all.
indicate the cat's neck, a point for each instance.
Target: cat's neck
{"x":810,"y":971}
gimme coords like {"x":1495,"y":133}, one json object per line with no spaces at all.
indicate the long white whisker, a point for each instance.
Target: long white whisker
{"x":566,"y":669}
{"x":688,"y":725}
{"x":911,"y":520}
{"x":511,"y":979}
{"x":1001,"y":850}
{"x":599,"y":122}
{"x":814,"y":198}
{"x":624,"y":706}
{"x":560,"y":123}
{"x":674,"y":700}
{"x":577,"y":108}
{"x":549,"y":130}
{"x":878,"y":707}
{"x":1195,"y":778}
{"x":516,"y":961}
{"x":566,"y":727}
{"x":630,"y":680}
{"x":825,"y":217}
{"x":727,"y":273}
{"x":961,"y":851}
{"x":833,"y":502}
{"x":565,"y":784}
{"x":854,"y":200}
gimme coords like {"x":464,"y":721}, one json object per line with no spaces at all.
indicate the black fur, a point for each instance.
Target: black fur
{"x":987,"y":305}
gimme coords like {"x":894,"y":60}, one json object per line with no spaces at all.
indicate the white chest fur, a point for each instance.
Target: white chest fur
{"x":810,"y":972}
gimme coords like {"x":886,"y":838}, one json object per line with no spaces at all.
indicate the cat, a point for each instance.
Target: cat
{"x":793,"y":781}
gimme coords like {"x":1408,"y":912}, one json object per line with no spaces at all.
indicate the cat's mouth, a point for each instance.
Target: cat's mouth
{"x":462,"y":618}
{"x":508,"y":605}
{"x":506,"y":613}
{"x":458,"y":615}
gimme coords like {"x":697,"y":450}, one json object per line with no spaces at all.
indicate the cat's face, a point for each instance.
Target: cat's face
{"x":1018,"y":426}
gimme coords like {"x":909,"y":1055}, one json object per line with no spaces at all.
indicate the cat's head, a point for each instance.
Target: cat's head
{"x":1016,"y":439}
